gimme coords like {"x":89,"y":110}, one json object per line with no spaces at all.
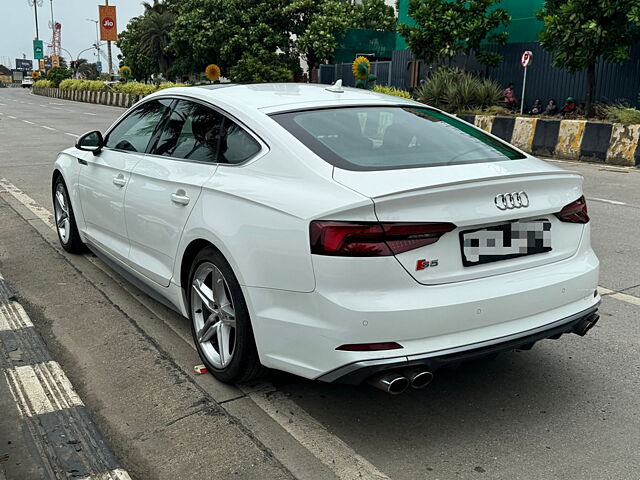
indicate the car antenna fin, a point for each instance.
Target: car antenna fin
{"x":336,"y":87}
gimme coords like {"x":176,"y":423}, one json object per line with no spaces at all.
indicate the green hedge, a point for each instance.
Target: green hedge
{"x":43,"y":84}
{"x":133,"y":88}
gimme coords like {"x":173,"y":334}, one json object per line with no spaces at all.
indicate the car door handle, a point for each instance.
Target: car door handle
{"x":120,"y":180}
{"x":180,"y":198}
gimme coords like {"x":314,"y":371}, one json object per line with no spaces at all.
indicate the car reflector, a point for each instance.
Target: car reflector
{"x":369,"y":347}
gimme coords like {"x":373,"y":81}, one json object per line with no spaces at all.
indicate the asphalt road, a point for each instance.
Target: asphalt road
{"x":566,"y":409}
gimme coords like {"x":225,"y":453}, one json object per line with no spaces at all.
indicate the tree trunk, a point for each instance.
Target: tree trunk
{"x":591,"y":90}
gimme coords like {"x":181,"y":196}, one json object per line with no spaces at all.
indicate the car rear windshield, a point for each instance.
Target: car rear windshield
{"x":384,"y":138}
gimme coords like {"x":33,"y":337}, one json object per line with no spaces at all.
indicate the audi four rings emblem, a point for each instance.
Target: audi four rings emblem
{"x":509,"y":201}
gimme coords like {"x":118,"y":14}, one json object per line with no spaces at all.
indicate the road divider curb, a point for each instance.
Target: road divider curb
{"x":611,"y":143}
{"x":114,"y":99}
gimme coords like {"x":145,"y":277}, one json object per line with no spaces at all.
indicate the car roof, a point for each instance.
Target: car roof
{"x":278,"y":97}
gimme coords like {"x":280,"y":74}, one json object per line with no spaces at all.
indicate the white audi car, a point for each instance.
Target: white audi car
{"x":334,"y":233}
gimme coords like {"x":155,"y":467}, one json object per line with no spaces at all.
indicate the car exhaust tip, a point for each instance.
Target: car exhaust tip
{"x":586,"y":324}
{"x":419,"y":378}
{"x":392,"y":383}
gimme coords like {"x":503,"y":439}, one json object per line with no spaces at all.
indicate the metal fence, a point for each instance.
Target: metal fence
{"x":615,"y":82}
{"x":331,"y":73}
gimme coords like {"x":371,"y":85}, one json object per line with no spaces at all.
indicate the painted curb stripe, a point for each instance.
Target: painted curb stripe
{"x":570,"y":139}
{"x":503,"y":127}
{"x":117,"y":474}
{"x":41,"y":388}
{"x":623,"y":145}
{"x":523,"y":132}
{"x":484,"y":122}
{"x":595,"y":141}
{"x":545,"y":137}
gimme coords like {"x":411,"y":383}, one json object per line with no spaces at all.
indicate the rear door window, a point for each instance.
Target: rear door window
{"x":192,"y":132}
{"x":379,"y":138}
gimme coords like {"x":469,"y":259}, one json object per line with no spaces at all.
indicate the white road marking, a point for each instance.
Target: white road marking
{"x":604,"y":200}
{"x":3,"y":104}
{"x":40,"y":212}
{"x":27,"y":121}
{"x":11,"y":116}
{"x":41,"y":388}
{"x":71,"y":134}
{"x":45,"y":106}
{"x":312,"y":435}
{"x":13,"y":317}
{"x":117,"y":474}
{"x":326,"y":447}
{"x":87,"y":113}
{"x":619,"y":296}
{"x":49,"y":128}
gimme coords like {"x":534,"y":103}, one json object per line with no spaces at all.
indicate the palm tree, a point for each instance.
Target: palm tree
{"x":155,"y":36}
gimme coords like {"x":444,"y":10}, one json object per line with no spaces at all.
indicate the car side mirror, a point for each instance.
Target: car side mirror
{"x":90,"y":142}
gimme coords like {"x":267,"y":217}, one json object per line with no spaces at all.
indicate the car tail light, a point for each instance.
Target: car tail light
{"x":575,"y":212}
{"x":372,"y":239}
{"x":369,"y":347}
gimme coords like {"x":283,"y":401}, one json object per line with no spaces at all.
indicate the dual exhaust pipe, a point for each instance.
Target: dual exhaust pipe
{"x":395,"y":383}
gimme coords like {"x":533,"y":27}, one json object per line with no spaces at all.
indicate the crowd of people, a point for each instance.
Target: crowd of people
{"x":570,"y":109}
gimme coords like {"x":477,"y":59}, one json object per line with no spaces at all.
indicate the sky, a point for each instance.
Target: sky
{"x":17,"y":26}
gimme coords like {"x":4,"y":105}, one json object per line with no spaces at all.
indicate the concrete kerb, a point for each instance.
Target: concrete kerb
{"x":614,"y":144}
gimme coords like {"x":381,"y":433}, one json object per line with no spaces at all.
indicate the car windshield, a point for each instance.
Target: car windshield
{"x":380,"y":138}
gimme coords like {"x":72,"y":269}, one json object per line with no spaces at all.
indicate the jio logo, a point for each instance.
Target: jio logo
{"x":108,"y":23}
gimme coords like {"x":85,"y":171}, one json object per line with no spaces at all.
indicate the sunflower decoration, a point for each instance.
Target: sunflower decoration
{"x":212,"y":72}
{"x":35,"y":75}
{"x":361,"y":69}
{"x":125,"y":71}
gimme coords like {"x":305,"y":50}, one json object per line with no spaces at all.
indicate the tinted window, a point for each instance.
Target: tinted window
{"x":236,"y":145}
{"x":191,"y":132}
{"x":134,"y":132}
{"x":378,"y":138}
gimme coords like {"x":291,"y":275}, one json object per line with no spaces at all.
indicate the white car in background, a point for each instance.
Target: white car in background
{"x":334,"y":233}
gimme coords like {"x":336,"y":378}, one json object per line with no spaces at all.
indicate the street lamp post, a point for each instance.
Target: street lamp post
{"x":97,"y":45}
{"x":35,"y":4}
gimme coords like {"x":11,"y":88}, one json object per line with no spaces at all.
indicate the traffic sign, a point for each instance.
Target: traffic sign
{"x":526,"y":59}
{"x":38,"y":50}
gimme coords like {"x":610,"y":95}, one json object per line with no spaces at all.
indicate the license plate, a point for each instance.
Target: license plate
{"x":501,"y":242}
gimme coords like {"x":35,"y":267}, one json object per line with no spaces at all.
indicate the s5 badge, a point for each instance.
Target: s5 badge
{"x":423,"y":264}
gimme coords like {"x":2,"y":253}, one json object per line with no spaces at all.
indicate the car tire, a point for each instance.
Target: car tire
{"x":210,"y":312}
{"x":65,"y":220}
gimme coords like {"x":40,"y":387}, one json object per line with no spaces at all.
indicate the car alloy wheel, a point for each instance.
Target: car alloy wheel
{"x":61,"y":210}
{"x":213,"y":315}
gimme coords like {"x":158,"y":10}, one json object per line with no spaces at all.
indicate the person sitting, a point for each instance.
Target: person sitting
{"x":569,"y":109}
{"x":510,"y":97}
{"x":536,"y":108}
{"x":552,"y":108}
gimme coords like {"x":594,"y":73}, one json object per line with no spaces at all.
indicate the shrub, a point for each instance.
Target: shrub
{"x":66,"y":84}
{"x":621,"y":114}
{"x":391,"y":91}
{"x":454,"y":90}
{"x":57,"y":75}
{"x":251,"y":69}
{"x":42,"y":84}
{"x":135,"y":88}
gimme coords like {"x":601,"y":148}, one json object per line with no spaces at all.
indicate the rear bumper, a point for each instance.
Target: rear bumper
{"x":357,"y":372}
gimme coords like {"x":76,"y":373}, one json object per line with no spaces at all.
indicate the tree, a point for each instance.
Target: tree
{"x":445,"y":28}
{"x":578,"y":32}
{"x":155,"y":29}
{"x":226,"y":31}
{"x":57,"y":74}
{"x":320,"y":24}
{"x":130,"y":44}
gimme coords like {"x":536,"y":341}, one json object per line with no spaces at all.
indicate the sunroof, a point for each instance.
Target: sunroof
{"x":215,"y":86}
